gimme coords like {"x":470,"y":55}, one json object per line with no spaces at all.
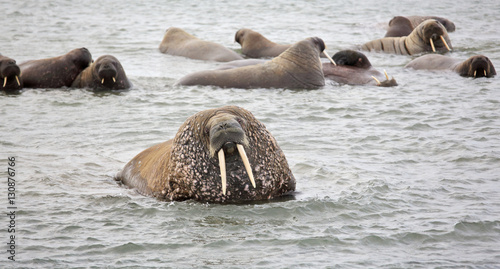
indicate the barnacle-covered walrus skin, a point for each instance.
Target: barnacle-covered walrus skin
{"x":475,"y":66}
{"x":9,"y":74}
{"x":429,"y":36}
{"x":218,"y":155}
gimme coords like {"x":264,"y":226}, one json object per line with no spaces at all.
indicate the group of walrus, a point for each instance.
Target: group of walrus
{"x":225,"y":154}
{"x":75,"y":69}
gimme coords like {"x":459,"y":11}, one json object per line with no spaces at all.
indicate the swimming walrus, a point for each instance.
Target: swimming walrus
{"x":430,"y":35}
{"x":55,"y":72}
{"x":403,"y":26}
{"x":105,"y":73}
{"x":354,"y":68}
{"x":475,"y":66}
{"x":255,"y":45}
{"x":9,"y":74}
{"x":180,"y":43}
{"x":218,"y":155}
{"x":298,"y":67}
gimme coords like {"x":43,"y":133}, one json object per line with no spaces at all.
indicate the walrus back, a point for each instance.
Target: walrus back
{"x":396,"y":45}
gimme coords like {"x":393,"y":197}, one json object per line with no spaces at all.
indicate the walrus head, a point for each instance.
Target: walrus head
{"x":226,"y":155}
{"x":477,"y":66}
{"x":351,"y":58}
{"x":9,"y":73}
{"x":81,"y":57}
{"x":434,"y":35}
{"x":105,"y":70}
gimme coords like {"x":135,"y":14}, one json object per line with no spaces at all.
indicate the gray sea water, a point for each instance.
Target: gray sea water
{"x":402,"y":177}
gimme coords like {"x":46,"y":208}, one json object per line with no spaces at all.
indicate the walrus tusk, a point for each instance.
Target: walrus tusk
{"x":102,"y":81}
{"x":444,"y":41}
{"x":378,"y":81}
{"x":222,"y":166}
{"x":485,"y":73}
{"x":386,"y":76}
{"x":329,"y":58}
{"x":114,"y":80}
{"x":244,"y":158}
{"x":19,"y":83}
{"x":432,"y":45}
{"x":475,"y":73}
{"x":4,"y":81}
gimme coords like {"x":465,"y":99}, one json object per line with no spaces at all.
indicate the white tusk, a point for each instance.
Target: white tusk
{"x":4,"y":81}
{"x":114,"y":80}
{"x":475,"y":73}
{"x":222,"y":166}
{"x":484,"y":73}
{"x":329,"y":58}
{"x":18,"y":83}
{"x":244,"y":158}
{"x":102,"y":81}
{"x":432,"y":45}
{"x":386,"y":76}
{"x":444,"y":41}
{"x":378,"y":81}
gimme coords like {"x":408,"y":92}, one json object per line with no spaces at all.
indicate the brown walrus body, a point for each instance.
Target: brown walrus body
{"x":55,"y":72}
{"x":203,"y":161}
{"x":354,"y":68}
{"x":403,"y":26}
{"x":105,"y":73}
{"x":180,"y":43}
{"x":255,"y":45}
{"x":298,"y":67}
{"x":9,"y":74}
{"x":475,"y":66}
{"x":422,"y":39}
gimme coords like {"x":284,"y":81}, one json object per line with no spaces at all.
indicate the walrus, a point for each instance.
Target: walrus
{"x":9,"y":74}
{"x":430,"y":35}
{"x":180,"y":43}
{"x":222,"y":155}
{"x":298,"y":67}
{"x":55,"y":72}
{"x":403,"y":26}
{"x":354,"y":68}
{"x":106,"y":73}
{"x":255,"y":45}
{"x":475,"y":66}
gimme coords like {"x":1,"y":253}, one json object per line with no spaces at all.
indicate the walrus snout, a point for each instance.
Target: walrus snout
{"x":481,"y":66}
{"x":107,"y":72}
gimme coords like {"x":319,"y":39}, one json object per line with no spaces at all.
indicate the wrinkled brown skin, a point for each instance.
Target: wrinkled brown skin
{"x":416,"y":20}
{"x":105,"y":67}
{"x":403,"y":26}
{"x":255,"y":45}
{"x":478,"y":63}
{"x":186,"y":168}
{"x":55,"y":72}
{"x":180,"y":43}
{"x":354,"y":68}
{"x":415,"y":43}
{"x":9,"y":69}
{"x":299,"y":67}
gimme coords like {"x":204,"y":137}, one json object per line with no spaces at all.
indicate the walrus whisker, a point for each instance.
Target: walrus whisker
{"x":222,"y":166}
{"x":432,"y":45}
{"x":378,"y":81}
{"x":329,"y":58}
{"x":386,"y":75}
{"x":4,"y":81}
{"x":244,"y":158}
{"x":18,"y":83}
{"x":444,"y":41}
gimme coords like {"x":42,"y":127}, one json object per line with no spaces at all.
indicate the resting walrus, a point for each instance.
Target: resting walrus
{"x":9,"y":74}
{"x":55,"y":72}
{"x":297,"y":67}
{"x":475,"y":66}
{"x":403,"y":26}
{"x":430,"y":35}
{"x":180,"y":43}
{"x":255,"y":45}
{"x":105,"y":73}
{"x":218,"y":155}
{"x":354,"y":68}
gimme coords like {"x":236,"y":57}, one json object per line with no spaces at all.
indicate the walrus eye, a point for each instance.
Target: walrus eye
{"x":241,"y":122}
